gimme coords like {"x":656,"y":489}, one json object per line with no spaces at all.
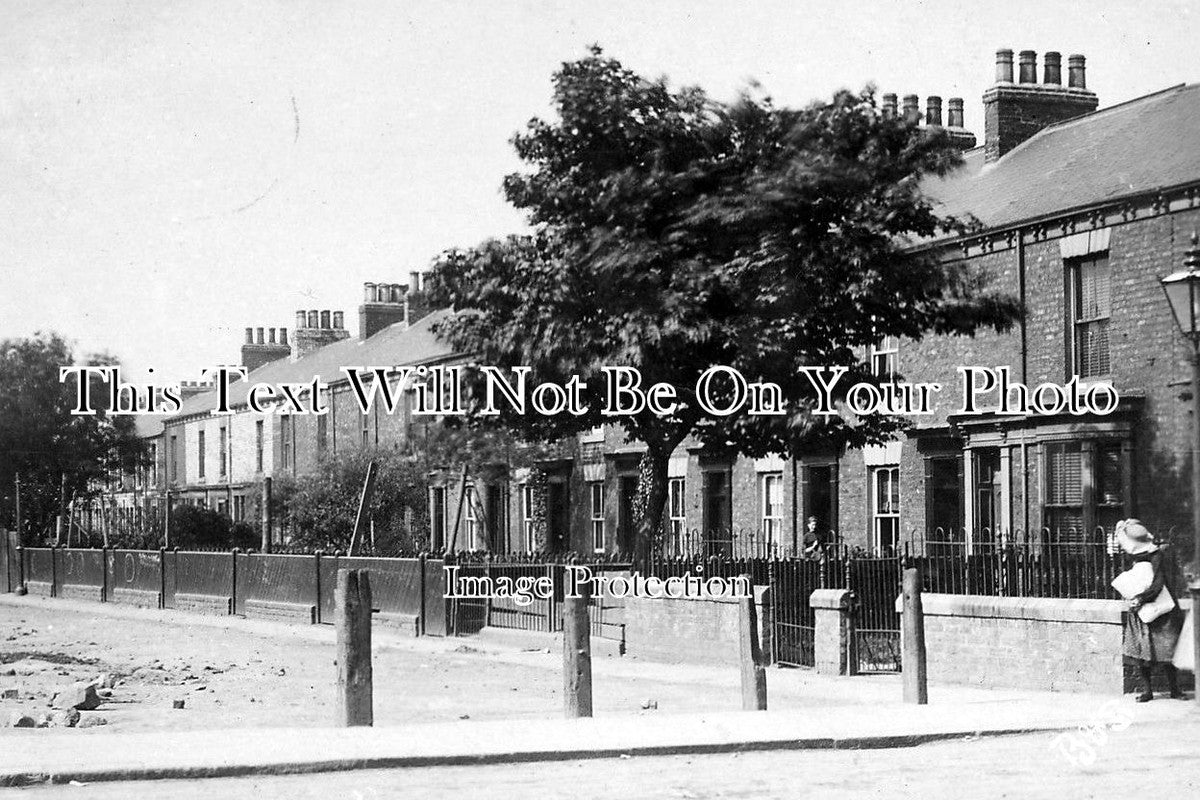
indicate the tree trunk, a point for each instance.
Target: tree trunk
{"x":651,"y":501}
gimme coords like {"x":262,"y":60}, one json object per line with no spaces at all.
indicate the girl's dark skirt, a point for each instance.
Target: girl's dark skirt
{"x":1156,"y":641}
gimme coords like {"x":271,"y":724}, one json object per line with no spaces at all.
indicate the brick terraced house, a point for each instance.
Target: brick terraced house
{"x":1082,"y":210}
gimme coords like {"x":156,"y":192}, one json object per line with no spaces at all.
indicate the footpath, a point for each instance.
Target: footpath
{"x":859,"y":712}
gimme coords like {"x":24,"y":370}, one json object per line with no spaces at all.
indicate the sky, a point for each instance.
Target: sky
{"x":174,"y":172}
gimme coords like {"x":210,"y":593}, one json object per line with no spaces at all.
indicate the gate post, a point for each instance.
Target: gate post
{"x":833,"y":635}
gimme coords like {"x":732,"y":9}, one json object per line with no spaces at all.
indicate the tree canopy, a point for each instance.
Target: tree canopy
{"x":40,"y":438}
{"x":672,"y":232}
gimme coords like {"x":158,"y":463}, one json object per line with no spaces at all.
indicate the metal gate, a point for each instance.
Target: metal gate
{"x":875,"y":583}
{"x":793,"y":622}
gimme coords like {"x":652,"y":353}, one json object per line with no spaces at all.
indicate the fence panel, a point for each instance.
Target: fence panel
{"x":39,"y":570}
{"x":277,"y":586}
{"x":81,"y":574}
{"x":327,"y":567}
{"x":135,"y":576}
{"x":204,"y":582}
{"x":395,"y":582}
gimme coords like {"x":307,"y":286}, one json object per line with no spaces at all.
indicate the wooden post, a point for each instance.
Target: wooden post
{"x":354,"y":681}
{"x":462,"y":494}
{"x":167,"y":520}
{"x":62,"y":508}
{"x":916,"y":689}
{"x":266,"y":516}
{"x":17,"y":519}
{"x":364,"y":503}
{"x":577,"y":658}
{"x":754,"y":674}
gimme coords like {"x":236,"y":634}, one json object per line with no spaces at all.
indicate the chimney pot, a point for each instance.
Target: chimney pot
{"x":1075,"y":72}
{"x":368,"y":293}
{"x":283,"y":336}
{"x":933,"y":110}
{"x":325,"y":320}
{"x":338,"y":319}
{"x":954,"y":113}
{"x":398,"y":292}
{"x":259,"y":337}
{"x":1028,"y":66}
{"x":249,"y":335}
{"x":889,"y":105}
{"x":314,"y":318}
{"x":912,"y":108}
{"x":271,"y":335}
{"x":1004,"y":66}
{"x":301,"y":320}
{"x":1052,"y":68}
{"x":414,"y":282}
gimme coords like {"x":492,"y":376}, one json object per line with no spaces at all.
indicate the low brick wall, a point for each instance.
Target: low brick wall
{"x":1024,"y":642}
{"x":688,"y":630}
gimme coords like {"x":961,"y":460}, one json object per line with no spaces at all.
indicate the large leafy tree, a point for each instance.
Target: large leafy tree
{"x":51,"y":448}
{"x":672,"y":232}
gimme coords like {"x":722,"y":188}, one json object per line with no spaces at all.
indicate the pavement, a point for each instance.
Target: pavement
{"x":60,"y":758}
{"x":856,"y":713}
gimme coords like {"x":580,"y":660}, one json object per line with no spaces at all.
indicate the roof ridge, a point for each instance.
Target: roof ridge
{"x":1099,"y":112}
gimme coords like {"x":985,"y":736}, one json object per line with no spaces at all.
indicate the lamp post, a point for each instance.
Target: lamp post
{"x":1183,"y":293}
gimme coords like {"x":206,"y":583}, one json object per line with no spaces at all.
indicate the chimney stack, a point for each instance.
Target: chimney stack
{"x":1004,"y":66}
{"x":1075,"y":72}
{"x":889,"y":105}
{"x":933,"y":110}
{"x":259,"y":349}
{"x":383,"y":306}
{"x":1027,"y":63}
{"x":1015,"y":112}
{"x":316,"y":331}
{"x":954,"y":112}
{"x":1052,"y":69}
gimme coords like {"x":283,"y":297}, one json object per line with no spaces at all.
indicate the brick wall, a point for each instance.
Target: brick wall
{"x":1039,"y":644}
{"x":687,"y":630}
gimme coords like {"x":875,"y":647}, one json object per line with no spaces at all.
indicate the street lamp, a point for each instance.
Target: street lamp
{"x":1183,"y":293}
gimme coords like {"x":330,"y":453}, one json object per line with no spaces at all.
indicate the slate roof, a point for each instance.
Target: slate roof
{"x":1146,"y":144}
{"x":396,"y":345}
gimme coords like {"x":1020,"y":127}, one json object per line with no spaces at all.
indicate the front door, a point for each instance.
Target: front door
{"x":718,"y":513}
